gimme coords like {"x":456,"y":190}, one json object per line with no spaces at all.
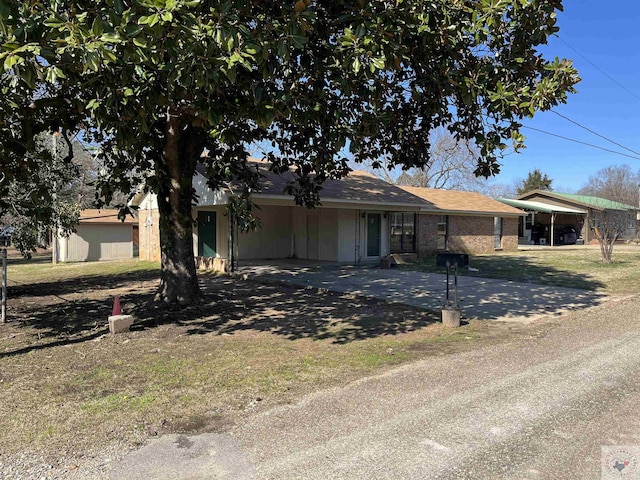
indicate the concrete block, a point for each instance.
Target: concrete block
{"x":451,"y":317}
{"x":120,"y":323}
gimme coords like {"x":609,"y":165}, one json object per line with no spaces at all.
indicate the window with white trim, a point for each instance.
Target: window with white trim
{"x":497,"y":232}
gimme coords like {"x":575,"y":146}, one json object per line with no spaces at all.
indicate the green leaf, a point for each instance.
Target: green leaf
{"x":92,"y":62}
{"x":97,"y":28}
{"x":299,"y":41}
{"x":252,"y":49}
{"x":140,"y":42}
{"x":109,"y":55}
{"x":93,"y":104}
{"x":378,"y":63}
{"x":12,"y":60}
{"x":356,"y":65}
{"x":150,"y":20}
{"x":231,"y":74}
{"x":54,"y":22}
{"x":112,"y":37}
{"x":29,"y":78}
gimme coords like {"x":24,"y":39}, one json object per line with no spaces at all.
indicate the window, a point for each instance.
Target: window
{"x":497,"y":232}
{"x":529,"y":221}
{"x":525,"y":224}
{"x":403,"y":232}
{"x":443,"y":232}
{"x":521,"y":227}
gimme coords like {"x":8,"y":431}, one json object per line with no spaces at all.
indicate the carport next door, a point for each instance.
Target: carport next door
{"x":373,"y":235}
{"x":207,"y":234}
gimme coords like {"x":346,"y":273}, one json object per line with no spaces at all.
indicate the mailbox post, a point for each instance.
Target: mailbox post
{"x":451,"y":310}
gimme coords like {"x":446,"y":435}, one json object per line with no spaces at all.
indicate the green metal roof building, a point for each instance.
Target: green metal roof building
{"x":552,"y":211}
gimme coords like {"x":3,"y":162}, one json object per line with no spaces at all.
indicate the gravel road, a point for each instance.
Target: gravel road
{"x":535,"y":408}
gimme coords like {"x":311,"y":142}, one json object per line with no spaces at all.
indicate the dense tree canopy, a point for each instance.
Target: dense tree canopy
{"x":155,"y":82}
{"x":536,"y":180}
{"x":43,"y":198}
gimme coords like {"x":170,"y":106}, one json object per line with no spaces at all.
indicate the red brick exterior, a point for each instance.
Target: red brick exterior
{"x":466,"y":234}
{"x":427,"y":235}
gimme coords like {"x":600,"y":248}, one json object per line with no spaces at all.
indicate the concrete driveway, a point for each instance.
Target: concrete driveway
{"x":482,"y":298}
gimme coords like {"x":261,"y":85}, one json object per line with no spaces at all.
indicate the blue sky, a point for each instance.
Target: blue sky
{"x":607,"y":34}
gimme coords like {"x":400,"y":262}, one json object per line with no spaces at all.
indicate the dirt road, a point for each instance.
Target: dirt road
{"x":538,"y":407}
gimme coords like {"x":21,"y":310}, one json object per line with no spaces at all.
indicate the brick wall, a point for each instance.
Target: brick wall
{"x":427,"y":238}
{"x":149,"y":235}
{"x":466,"y":234}
{"x":510,"y":234}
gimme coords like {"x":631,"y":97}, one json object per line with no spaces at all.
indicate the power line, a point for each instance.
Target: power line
{"x":594,"y":132}
{"x":582,"y":143}
{"x":599,"y":69}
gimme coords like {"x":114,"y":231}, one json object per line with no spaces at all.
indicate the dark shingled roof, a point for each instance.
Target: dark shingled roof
{"x":357,"y":187}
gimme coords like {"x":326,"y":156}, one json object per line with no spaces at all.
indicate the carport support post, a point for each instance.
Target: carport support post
{"x":4,"y":285}
{"x":553,"y":222}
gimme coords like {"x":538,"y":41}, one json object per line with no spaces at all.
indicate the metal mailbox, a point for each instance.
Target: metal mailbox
{"x":452,"y":260}
{"x":5,"y":236}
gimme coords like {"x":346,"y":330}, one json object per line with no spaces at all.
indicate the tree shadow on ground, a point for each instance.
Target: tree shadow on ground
{"x":80,"y":284}
{"x":229,"y":306}
{"x":233,"y":305}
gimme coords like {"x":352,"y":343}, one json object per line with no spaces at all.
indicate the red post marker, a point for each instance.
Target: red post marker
{"x":116,"y":306}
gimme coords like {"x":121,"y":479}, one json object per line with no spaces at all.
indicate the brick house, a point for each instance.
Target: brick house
{"x":361,"y":219}
{"x":467,"y":222}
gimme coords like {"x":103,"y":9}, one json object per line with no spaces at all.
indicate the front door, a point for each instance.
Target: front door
{"x":373,"y":235}
{"x":207,"y":234}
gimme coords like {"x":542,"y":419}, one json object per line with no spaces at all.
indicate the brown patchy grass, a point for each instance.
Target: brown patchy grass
{"x":67,"y":385}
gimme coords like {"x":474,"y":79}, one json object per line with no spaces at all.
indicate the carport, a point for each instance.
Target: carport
{"x":552,"y":210}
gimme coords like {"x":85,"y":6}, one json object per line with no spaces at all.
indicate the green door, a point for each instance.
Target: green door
{"x":373,"y":235}
{"x":207,"y":234}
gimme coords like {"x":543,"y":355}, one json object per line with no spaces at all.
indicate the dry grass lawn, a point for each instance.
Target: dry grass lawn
{"x":66,"y":385}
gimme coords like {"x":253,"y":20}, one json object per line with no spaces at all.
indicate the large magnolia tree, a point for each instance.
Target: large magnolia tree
{"x":156,"y":82}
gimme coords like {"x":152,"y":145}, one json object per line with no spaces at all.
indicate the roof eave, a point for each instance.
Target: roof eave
{"x":324,"y":201}
{"x":474,"y":213}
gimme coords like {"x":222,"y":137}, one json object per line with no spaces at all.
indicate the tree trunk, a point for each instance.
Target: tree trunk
{"x":175,"y":170}
{"x":606,"y":242}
